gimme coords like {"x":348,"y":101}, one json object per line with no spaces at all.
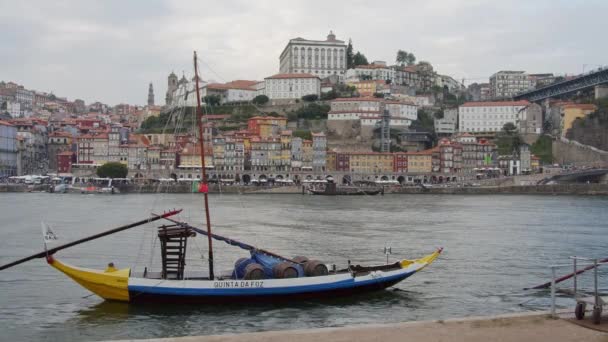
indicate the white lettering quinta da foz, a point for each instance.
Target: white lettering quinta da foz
{"x":238,"y":284}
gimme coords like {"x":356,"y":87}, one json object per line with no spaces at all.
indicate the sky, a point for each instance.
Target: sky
{"x":110,"y":51}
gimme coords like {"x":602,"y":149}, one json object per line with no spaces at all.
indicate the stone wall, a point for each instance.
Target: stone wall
{"x":348,"y":135}
{"x":571,"y":152}
{"x":556,"y":189}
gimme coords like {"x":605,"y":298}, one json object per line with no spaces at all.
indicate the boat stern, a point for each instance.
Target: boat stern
{"x":111,"y":284}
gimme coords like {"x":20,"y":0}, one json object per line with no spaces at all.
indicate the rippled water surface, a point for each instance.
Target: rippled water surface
{"x":494,"y":247}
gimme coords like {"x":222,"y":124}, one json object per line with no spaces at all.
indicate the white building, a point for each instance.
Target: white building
{"x":447,"y":125}
{"x":506,"y":84}
{"x":291,"y":86}
{"x":367,"y":110}
{"x":491,"y":116}
{"x":318,"y":57}
{"x":449,"y":82}
{"x":234,"y":91}
{"x":13,"y":108}
{"x":378,"y":70}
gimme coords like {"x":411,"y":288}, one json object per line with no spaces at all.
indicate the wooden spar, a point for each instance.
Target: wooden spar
{"x":201,"y":139}
{"x":566,"y":277}
{"x":92,"y":237}
{"x":225,"y":239}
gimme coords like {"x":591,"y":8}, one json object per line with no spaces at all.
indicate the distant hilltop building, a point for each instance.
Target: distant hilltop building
{"x":321,"y":58}
{"x":150,"y":95}
{"x":171,"y":88}
{"x":506,"y":84}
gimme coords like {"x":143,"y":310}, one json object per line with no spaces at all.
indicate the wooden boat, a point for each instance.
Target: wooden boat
{"x":121,"y":285}
{"x":263,"y":277}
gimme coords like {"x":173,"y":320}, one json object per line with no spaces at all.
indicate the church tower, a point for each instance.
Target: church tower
{"x":171,"y":88}
{"x":150,"y":95}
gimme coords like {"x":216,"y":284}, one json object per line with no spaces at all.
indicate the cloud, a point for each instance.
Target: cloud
{"x":109,"y":51}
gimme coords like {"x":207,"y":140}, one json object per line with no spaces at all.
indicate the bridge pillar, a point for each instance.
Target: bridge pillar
{"x":601,"y":91}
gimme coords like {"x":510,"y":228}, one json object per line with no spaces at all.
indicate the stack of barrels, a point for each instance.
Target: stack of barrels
{"x":248,"y":269}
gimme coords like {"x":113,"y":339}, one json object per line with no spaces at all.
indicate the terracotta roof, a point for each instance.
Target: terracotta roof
{"x":283,"y":76}
{"x":229,"y":85}
{"x":5,"y":123}
{"x":496,"y":104}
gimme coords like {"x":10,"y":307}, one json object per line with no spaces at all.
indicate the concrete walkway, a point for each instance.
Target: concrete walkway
{"x":506,"y":328}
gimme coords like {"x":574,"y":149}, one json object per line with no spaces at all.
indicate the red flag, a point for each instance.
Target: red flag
{"x":203,"y":187}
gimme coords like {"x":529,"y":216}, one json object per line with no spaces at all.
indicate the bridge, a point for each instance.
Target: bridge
{"x":582,"y":82}
{"x":579,"y":176}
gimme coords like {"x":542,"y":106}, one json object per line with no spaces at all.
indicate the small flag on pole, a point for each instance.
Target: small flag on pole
{"x":47,"y":233}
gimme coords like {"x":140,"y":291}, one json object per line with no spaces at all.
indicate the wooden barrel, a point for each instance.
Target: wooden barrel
{"x":239,"y":261}
{"x":284,"y":270}
{"x":314,"y":268}
{"x":300,"y":259}
{"x":254,"y":272}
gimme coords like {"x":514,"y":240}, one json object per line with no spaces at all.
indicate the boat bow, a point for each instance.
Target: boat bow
{"x":111,"y":284}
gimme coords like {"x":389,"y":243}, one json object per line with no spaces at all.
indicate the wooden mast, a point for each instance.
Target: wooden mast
{"x":199,"y":117}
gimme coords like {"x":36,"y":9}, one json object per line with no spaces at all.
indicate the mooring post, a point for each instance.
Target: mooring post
{"x":553,"y":315}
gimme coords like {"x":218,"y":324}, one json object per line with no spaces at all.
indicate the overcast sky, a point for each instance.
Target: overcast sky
{"x":110,"y":50}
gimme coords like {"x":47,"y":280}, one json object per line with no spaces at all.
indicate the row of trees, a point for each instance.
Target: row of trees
{"x":405,"y":58}
{"x":353,"y":59}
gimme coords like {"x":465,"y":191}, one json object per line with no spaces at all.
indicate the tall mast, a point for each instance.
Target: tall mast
{"x":199,"y":117}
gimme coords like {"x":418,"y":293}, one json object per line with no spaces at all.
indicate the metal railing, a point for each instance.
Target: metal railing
{"x":591,"y":264}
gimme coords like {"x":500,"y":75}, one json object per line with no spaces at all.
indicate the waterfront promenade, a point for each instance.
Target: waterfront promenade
{"x":555,"y":189}
{"x":506,"y":328}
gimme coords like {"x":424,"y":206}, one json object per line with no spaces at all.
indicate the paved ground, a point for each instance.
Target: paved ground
{"x":515,"y":328}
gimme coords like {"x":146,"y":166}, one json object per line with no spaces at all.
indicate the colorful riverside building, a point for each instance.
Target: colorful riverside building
{"x":265,"y":126}
{"x":477,"y":153}
{"x":371,"y":163}
{"x":573,"y":111}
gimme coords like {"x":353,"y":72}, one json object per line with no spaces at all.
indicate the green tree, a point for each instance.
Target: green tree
{"x":379,"y":95}
{"x":404,"y":57}
{"x":112,"y":170}
{"x":330,"y":95}
{"x":260,"y":100}
{"x":542,"y":148}
{"x":303,"y":134}
{"x":509,"y":128}
{"x":349,"y":55}
{"x":360,"y":59}
{"x":424,"y":121}
{"x":313,"y":111}
{"x":310,"y":97}
{"x":212,"y":100}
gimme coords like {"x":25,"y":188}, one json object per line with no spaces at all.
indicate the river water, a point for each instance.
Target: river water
{"x":494,"y":247}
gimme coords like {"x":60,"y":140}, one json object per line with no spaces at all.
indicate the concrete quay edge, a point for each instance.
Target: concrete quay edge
{"x":532,"y":326}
